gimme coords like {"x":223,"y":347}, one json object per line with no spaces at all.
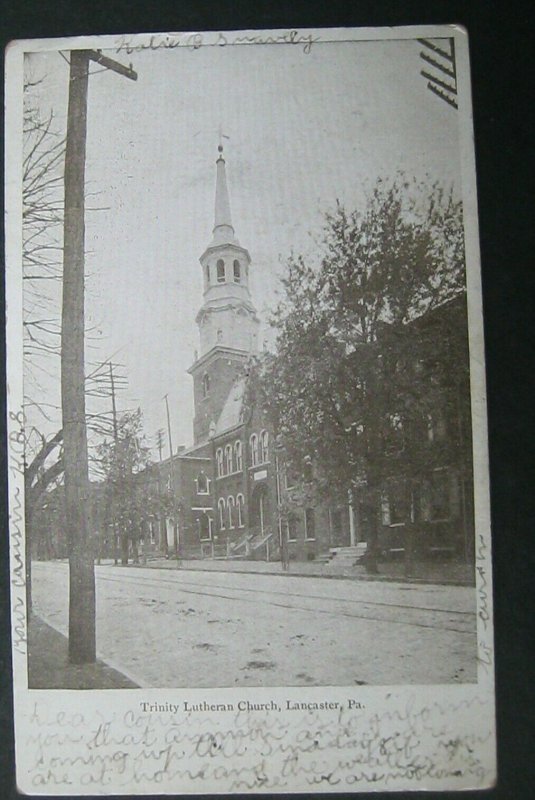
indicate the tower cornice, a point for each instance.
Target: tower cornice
{"x":212,"y":248}
{"x":215,"y":352}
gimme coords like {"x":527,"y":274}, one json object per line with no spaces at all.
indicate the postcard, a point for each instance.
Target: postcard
{"x":248,"y":472}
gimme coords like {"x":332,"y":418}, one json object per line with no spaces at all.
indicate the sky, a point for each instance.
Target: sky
{"x":304,"y":129}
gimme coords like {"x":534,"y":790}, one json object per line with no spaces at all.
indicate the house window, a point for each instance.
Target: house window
{"x":264,"y":447}
{"x":254,"y":449}
{"x":239,"y":509}
{"x":228,"y":458}
{"x":436,"y":427}
{"x":394,"y":432}
{"x":291,"y":527}
{"x":238,"y":456}
{"x":230,"y":506}
{"x":290,"y":478}
{"x":435,"y":497}
{"x":394,"y":504}
{"x":237,"y":271}
{"x":220,"y":271}
{"x":310,"y":524}
{"x":205,"y":385}
{"x":221,"y":509}
{"x":219,"y":462}
{"x":203,"y":484}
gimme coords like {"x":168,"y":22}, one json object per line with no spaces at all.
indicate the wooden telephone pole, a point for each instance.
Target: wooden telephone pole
{"x":172,"y":480}
{"x":82,"y":643}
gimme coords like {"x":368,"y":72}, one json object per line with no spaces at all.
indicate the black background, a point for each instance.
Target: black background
{"x":501,"y":47}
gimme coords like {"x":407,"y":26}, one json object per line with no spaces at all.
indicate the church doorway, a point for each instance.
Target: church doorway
{"x":259,"y":510}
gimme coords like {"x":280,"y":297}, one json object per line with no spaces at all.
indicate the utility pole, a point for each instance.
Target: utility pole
{"x":116,"y":442}
{"x":172,"y":479}
{"x":82,"y":642}
{"x":113,"y":405}
{"x":159,"y":442}
{"x":163,"y":529}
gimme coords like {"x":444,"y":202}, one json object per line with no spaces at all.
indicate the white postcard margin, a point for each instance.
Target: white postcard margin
{"x":357,"y":738}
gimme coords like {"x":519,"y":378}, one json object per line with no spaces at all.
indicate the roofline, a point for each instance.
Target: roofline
{"x":228,"y":430}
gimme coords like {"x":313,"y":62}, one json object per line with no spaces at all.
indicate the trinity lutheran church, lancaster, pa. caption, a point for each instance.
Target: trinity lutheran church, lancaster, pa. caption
{"x":232,"y":495}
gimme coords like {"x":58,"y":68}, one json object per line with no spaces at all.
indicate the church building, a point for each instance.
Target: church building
{"x":229,"y":485}
{"x":233,"y":497}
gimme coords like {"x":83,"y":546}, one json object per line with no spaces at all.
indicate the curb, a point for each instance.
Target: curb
{"x":361,"y":577}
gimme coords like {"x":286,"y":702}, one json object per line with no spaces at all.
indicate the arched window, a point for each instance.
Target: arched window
{"x":219,"y":335}
{"x":237,"y":271}
{"x":205,"y":385}
{"x":264,"y":447}
{"x":220,"y":271}
{"x":254,"y":449}
{"x":219,"y":462}
{"x":203,"y":484}
{"x":208,"y":274}
{"x":221,"y":509}
{"x":239,"y":507}
{"x":238,"y":456}
{"x":228,"y":459}
{"x":230,"y":506}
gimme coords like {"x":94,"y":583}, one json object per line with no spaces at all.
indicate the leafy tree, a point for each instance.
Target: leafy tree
{"x":122,"y":459}
{"x":340,"y":330}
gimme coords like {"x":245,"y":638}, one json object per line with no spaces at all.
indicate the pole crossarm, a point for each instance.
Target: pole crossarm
{"x":115,"y":66}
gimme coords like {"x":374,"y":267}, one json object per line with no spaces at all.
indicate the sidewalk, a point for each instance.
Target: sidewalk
{"x":49,"y":668}
{"x":447,"y":573}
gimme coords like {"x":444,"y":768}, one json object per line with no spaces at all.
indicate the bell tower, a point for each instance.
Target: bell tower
{"x":227,"y":320}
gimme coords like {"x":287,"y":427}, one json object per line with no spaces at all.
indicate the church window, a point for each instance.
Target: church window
{"x":239,"y":508}
{"x":254,"y":449}
{"x":238,"y":456}
{"x":230,"y":506}
{"x":205,"y":527}
{"x":205,"y":385}
{"x":221,"y":509}
{"x":220,"y":271}
{"x":264,"y":447}
{"x":308,"y":470}
{"x":228,"y":458}
{"x":203,"y":484}
{"x":208,"y":274}
{"x":237,"y":271}
{"x":219,"y":462}
{"x":219,"y":335}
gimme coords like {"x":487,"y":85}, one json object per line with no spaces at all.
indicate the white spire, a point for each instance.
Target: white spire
{"x":223,"y":228}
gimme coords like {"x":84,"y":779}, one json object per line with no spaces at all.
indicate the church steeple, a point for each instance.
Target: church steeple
{"x":223,"y":228}
{"x":227,"y":320}
{"x":227,"y":316}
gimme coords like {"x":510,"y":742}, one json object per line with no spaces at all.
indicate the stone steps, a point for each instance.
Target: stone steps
{"x":347,"y":556}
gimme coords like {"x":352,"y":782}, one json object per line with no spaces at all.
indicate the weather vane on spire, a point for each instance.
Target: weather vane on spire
{"x":221,"y":137}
